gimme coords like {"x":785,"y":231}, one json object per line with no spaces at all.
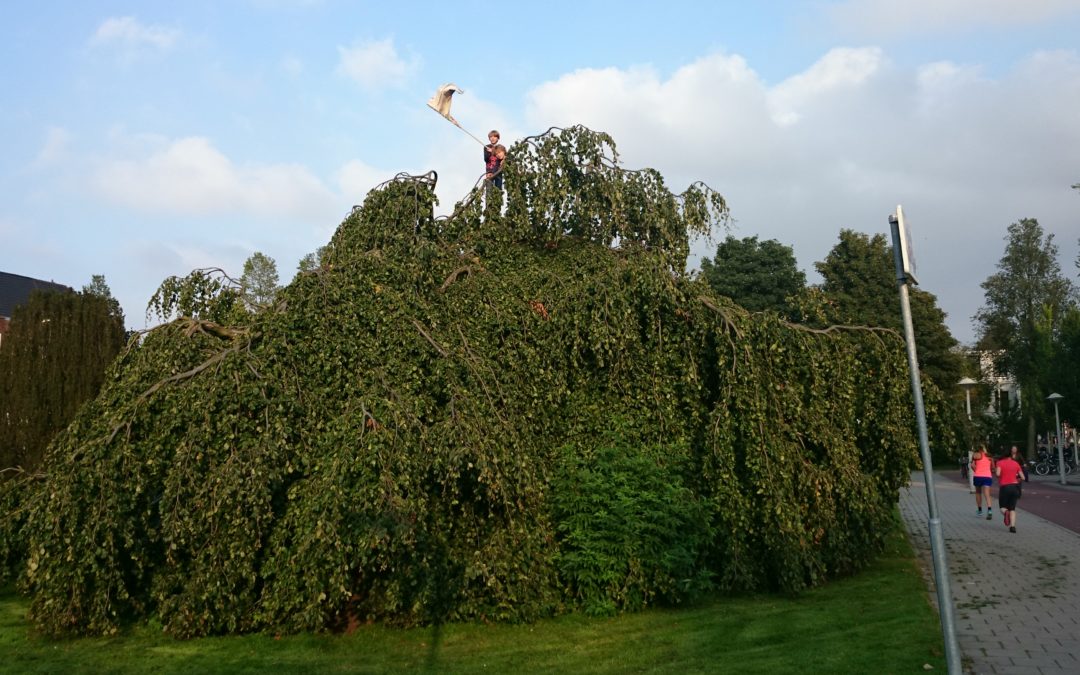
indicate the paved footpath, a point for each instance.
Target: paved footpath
{"x":1016,"y":596}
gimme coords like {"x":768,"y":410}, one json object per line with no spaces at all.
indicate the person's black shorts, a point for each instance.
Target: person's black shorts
{"x":1008,"y":496}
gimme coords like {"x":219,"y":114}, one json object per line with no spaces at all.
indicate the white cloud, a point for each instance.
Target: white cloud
{"x":841,"y":143}
{"x":54,"y":149}
{"x":191,"y":176}
{"x":375,"y":64}
{"x":895,"y":17}
{"x":356,"y":179}
{"x":129,"y":33}
{"x":292,"y":66}
{"x":840,"y":68}
{"x":692,"y":110}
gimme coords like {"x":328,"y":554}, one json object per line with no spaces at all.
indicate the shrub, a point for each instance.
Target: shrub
{"x":630,"y":532}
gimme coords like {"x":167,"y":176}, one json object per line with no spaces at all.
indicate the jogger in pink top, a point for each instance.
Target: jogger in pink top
{"x":982,"y":467}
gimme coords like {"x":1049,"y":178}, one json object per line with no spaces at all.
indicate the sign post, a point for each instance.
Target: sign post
{"x":905,"y":274}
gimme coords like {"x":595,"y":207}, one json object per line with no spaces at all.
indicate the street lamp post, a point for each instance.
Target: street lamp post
{"x":1055,"y":397}
{"x":966,"y":384}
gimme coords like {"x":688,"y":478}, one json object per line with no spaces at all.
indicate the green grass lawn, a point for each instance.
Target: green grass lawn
{"x":877,"y":622}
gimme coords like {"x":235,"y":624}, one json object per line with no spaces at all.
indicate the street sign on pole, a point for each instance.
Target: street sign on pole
{"x":902,"y":256}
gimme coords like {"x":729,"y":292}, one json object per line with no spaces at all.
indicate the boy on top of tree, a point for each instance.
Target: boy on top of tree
{"x":489,"y":149}
{"x":494,"y":166}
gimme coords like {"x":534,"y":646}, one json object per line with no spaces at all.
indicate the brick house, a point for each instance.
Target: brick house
{"x":15,"y":290}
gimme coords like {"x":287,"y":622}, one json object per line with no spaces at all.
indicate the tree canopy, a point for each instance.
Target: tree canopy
{"x":422,"y":428}
{"x":759,"y":275}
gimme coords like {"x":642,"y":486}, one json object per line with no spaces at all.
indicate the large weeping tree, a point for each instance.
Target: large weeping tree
{"x":1025,"y":302}
{"x":497,"y":415}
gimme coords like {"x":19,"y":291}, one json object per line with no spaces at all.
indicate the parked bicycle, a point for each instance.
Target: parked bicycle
{"x":1046,"y":463}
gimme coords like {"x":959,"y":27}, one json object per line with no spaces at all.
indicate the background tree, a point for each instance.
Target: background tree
{"x":759,"y":275}
{"x":311,"y":261}
{"x":99,"y":287}
{"x":53,"y":359}
{"x":859,"y":280}
{"x":259,"y":281}
{"x":1026,"y":300}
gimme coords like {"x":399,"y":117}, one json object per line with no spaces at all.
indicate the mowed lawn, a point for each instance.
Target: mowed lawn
{"x":879,"y":621}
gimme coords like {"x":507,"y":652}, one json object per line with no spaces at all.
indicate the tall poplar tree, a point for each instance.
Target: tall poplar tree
{"x":1026,"y":300}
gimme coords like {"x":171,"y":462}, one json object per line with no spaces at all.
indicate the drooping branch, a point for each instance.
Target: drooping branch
{"x":430,"y":339}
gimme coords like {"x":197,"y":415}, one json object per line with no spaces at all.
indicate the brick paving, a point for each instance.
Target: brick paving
{"x":1016,"y":596}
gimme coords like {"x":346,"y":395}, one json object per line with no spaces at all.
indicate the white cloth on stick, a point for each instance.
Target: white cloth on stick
{"x":440,"y":102}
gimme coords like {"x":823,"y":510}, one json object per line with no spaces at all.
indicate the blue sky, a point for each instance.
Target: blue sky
{"x":145,"y":139}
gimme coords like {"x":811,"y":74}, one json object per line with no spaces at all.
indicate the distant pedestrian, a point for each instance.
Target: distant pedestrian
{"x":982,"y":467}
{"x":1009,"y":473}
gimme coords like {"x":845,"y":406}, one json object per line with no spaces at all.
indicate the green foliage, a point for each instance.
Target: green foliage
{"x":630,"y":532}
{"x":567,"y":183}
{"x":207,"y":294}
{"x":14,"y":489}
{"x":384,"y":442}
{"x":759,"y":275}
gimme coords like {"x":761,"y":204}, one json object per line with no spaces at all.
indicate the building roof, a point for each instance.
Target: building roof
{"x":15,"y":290}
